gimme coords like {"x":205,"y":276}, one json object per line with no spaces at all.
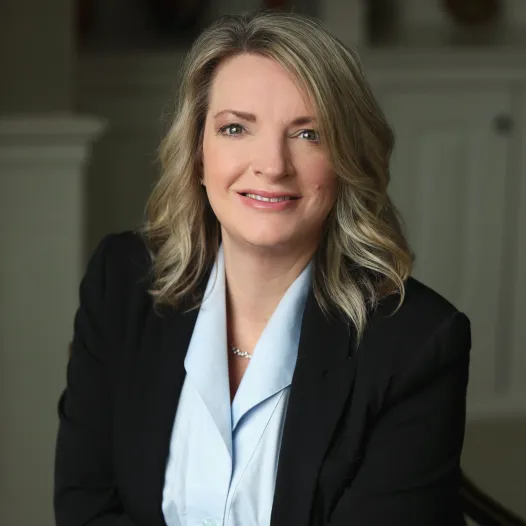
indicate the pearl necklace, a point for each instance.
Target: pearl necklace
{"x":244,"y":354}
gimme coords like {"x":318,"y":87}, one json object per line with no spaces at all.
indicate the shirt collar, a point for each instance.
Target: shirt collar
{"x":274,"y":358}
{"x":273,"y":362}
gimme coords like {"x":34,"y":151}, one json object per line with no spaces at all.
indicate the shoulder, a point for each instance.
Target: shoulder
{"x":126,"y":254}
{"x":422,"y":312}
{"x":423,"y":336}
{"x":113,"y":294}
{"x":423,"y":309}
{"x":119,"y":268}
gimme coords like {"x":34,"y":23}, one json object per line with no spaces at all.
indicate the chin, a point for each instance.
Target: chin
{"x":264,"y":240}
{"x":267,"y":242}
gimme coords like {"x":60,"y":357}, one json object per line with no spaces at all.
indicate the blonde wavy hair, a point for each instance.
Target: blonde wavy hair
{"x":364,"y":255}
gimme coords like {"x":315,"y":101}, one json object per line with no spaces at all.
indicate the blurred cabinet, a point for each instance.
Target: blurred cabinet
{"x":457,"y":181}
{"x":519,"y":218}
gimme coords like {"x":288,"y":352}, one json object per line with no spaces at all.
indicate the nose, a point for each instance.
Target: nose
{"x":271,"y":158}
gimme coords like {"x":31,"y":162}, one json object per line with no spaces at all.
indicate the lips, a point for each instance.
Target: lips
{"x":272,"y":197}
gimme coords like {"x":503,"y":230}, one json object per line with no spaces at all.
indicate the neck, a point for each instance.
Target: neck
{"x":256,"y":280}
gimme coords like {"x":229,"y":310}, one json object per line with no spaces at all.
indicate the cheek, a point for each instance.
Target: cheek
{"x":211,"y":154}
{"x":221,"y":165}
{"x":318,"y":178}
{"x":214,"y":170}
{"x":324,"y":188}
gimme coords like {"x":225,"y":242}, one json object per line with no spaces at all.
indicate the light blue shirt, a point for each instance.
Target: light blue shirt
{"x":223,"y":456}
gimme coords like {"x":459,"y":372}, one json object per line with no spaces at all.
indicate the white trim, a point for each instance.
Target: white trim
{"x":48,"y":129}
{"x":59,"y":139}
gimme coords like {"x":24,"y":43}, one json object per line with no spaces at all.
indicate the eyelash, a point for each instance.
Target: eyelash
{"x":223,"y":131}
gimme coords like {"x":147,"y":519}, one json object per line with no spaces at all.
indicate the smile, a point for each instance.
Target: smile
{"x":269,"y":199}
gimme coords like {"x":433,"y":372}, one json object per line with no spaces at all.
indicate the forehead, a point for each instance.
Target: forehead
{"x":249,"y":82}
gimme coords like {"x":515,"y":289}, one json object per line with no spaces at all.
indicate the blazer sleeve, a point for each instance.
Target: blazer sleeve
{"x":410,"y":471}
{"x":85,"y":491}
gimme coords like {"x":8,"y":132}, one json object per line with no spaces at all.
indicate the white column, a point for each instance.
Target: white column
{"x":41,"y":262}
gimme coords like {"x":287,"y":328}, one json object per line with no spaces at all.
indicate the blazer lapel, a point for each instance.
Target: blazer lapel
{"x":158,"y":383}
{"x":321,"y":385}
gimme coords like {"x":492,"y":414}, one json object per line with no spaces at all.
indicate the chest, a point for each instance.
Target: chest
{"x":147,"y":399}
{"x":237,"y":367}
{"x":203,"y":483}
{"x":148,"y":448}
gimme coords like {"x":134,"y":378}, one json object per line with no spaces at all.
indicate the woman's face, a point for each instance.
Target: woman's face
{"x":266,"y":171}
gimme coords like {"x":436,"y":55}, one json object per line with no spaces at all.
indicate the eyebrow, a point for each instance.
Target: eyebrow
{"x":250,"y":117}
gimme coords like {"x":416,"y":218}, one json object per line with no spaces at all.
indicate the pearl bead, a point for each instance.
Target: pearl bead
{"x":244,"y":354}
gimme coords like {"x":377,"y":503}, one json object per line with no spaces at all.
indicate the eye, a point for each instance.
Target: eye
{"x":309,"y":135}
{"x":232,"y":129}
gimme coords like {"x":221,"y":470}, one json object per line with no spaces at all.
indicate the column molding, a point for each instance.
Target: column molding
{"x":42,"y":240}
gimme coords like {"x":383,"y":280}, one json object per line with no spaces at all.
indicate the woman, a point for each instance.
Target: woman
{"x":258,"y":354}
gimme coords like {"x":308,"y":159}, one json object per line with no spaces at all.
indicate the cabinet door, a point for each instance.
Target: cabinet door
{"x":518,"y":234}
{"x":449,"y":180}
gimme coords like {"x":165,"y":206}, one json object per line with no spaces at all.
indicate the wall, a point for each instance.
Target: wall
{"x":38,"y":286}
{"x":36,"y":56}
{"x":430,"y":12}
{"x":126,"y":24}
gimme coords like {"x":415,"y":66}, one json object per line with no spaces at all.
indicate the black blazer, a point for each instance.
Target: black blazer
{"x":372,"y":435}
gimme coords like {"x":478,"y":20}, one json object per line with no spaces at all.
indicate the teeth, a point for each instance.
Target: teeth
{"x":268,"y":199}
